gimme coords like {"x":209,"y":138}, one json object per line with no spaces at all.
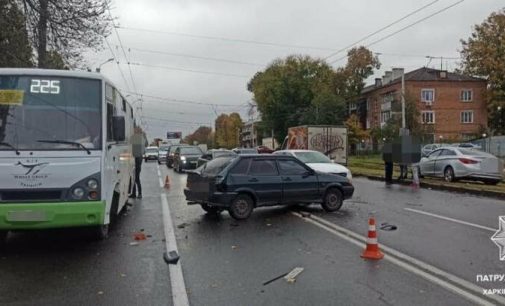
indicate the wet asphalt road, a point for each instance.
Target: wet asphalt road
{"x":225,"y":262}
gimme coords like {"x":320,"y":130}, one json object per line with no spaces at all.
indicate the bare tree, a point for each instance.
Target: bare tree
{"x":66,"y":27}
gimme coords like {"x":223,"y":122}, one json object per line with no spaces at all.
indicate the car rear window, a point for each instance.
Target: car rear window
{"x":216,"y":165}
{"x":471,"y":152}
{"x":191,"y":150}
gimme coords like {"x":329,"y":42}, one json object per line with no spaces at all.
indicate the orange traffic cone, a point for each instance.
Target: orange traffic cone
{"x":167,"y":182}
{"x":372,"y":250}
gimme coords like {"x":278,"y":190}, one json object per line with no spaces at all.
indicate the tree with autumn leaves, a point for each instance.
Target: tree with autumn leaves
{"x":227,"y":134}
{"x":483,"y":55}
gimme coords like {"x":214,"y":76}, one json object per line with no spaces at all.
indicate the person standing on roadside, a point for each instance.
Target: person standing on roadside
{"x":139,"y":143}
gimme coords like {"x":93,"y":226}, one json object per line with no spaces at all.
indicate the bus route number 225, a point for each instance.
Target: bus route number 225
{"x":45,"y":86}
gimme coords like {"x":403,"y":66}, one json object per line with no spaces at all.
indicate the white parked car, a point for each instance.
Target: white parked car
{"x":318,"y":161}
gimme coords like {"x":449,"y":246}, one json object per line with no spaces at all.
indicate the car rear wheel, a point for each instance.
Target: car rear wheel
{"x":333,"y":200}
{"x":449,"y":174}
{"x":241,"y":207}
{"x":211,"y":209}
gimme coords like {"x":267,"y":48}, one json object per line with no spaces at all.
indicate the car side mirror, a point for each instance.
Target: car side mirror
{"x":118,"y":127}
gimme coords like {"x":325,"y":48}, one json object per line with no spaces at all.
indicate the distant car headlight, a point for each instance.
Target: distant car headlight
{"x":92,"y":184}
{"x":183,"y":158}
{"x":78,"y":193}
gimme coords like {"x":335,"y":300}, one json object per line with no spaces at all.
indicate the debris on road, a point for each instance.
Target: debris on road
{"x":134,"y":243}
{"x":234,"y":247}
{"x":100,"y":292}
{"x":139,"y":236}
{"x":274,"y":279}
{"x":171,"y":258}
{"x":291,"y":276}
{"x":305,"y":214}
{"x":234,"y":224}
{"x":268,"y":224}
{"x":182,"y":225}
{"x":388,"y":227}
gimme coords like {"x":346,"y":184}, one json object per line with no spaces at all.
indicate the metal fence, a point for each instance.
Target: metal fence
{"x":494,"y":145}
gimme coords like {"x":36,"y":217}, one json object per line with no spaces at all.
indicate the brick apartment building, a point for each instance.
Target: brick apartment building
{"x":453,"y":105}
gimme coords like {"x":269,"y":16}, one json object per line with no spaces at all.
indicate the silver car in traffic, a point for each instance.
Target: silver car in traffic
{"x":454,"y":163}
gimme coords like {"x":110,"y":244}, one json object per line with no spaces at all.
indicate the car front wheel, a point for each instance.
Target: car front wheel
{"x":333,"y":200}
{"x":241,"y":207}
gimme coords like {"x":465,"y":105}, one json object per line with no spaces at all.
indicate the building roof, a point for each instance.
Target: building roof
{"x":426,"y":74}
{"x":430,"y":74}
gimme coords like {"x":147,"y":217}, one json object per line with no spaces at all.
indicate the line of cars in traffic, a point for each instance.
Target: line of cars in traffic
{"x":243,"y":179}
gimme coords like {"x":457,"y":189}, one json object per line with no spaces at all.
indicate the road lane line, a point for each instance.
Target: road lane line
{"x":411,"y":264}
{"x":161,"y":183}
{"x":452,"y":220}
{"x":179,"y":293}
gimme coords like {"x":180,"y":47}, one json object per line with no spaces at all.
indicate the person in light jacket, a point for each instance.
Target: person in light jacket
{"x":139,"y":144}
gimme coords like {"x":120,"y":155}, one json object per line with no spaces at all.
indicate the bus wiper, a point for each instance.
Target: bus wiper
{"x":6,"y":144}
{"x":78,"y":144}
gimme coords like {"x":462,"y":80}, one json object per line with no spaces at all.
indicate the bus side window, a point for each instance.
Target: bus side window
{"x":110,"y":114}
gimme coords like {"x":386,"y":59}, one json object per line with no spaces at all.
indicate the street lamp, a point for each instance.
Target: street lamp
{"x":107,"y":61}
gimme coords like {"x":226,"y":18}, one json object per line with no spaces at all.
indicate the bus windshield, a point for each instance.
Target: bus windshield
{"x":50,"y":113}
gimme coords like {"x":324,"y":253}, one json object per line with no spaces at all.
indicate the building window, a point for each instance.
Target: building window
{"x":428,"y":117}
{"x":467,"y":117}
{"x":427,"y":95}
{"x":385,"y":116}
{"x":466,"y":95}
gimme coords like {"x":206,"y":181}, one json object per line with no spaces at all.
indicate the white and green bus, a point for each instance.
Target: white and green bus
{"x":65,"y":150}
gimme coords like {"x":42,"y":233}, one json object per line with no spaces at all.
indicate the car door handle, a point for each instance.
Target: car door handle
{"x":253,"y":180}
{"x":287,"y":179}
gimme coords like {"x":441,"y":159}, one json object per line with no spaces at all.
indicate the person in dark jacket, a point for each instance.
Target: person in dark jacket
{"x":139,"y":144}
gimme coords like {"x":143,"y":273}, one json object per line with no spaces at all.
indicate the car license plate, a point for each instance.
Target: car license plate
{"x":26,"y":216}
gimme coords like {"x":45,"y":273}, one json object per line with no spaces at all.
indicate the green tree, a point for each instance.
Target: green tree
{"x":67,"y":27}
{"x":15,"y":50}
{"x":483,"y":55}
{"x":296,"y":90}
{"x":350,"y":79}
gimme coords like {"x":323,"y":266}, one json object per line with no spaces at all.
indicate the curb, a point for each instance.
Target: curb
{"x":487,"y":193}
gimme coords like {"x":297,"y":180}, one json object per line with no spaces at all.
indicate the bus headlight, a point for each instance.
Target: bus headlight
{"x":92,"y":184}
{"x":78,"y":193}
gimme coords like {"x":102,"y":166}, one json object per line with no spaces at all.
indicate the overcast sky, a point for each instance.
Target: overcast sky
{"x":243,"y":37}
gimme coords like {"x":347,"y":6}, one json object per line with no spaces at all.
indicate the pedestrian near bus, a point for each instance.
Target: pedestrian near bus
{"x":139,"y":144}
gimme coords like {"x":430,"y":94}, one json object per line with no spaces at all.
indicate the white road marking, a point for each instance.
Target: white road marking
{"x":179,"y":293}
{"x":411,"y":264}
{"x":452,"y":220}
{"x":159,"y":177}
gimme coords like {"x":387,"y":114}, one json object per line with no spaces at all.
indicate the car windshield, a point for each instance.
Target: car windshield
{"x":312,"y":157}
{"x":191,"y":151}
{"x":152,"y":150}
{"x":163,"y":149}
{"x":36,"y":108}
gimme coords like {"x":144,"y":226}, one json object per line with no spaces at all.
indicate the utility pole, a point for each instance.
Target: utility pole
{"x":403,"y":101}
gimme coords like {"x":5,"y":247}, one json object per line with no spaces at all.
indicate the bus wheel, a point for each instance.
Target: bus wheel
{"x":101,"y":232}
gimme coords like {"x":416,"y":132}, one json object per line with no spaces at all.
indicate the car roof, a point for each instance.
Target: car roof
{"x":266,"y":156}
{"x":296,"y":151}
